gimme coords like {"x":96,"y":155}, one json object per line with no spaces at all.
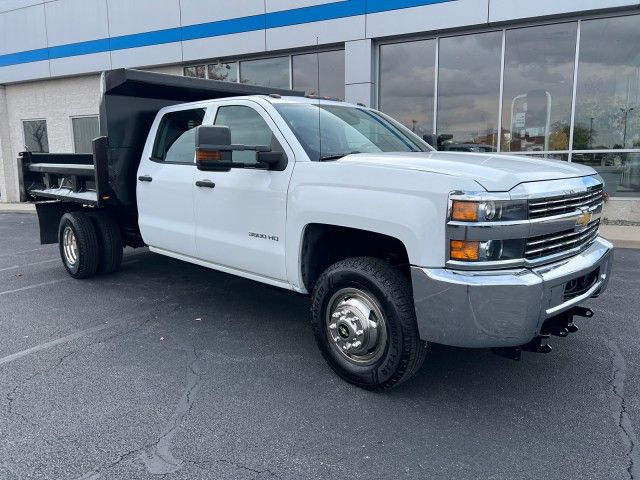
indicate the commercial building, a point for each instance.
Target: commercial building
{"x":557,"y":79}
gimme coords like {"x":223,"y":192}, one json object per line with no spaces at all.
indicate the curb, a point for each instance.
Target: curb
{"x":17,"y":208}
{"x":621,"y":236}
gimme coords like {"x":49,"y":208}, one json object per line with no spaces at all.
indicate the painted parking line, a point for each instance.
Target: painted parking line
{"x":53,"y":343}
{"x":29,"y":287}
{"x":48,"y":247}
{"x":14,"y":267}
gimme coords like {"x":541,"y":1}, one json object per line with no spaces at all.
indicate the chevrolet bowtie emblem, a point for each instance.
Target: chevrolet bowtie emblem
{"x":584,"y":219}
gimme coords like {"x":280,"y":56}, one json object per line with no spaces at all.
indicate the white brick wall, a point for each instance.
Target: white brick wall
{"x":7,"y":181}
{"x":56,"y":101}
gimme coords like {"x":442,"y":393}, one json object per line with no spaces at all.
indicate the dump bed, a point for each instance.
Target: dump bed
{"x":130,"y":101}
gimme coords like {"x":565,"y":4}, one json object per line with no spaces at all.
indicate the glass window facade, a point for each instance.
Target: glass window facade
{"x":36,"y":138}
{"x":330,"y":82}
{"x":538,"y":87}
{"x":85,"y":129}
{"x":407,"y":79}
{"x":539,"y":78}
{"x":608,"y":89}
{"x":299,"y":72}
{"x":266,"y":72}
{"x":469,"y":88}
{"x":199,"y":71}
{"x":226,"y":72}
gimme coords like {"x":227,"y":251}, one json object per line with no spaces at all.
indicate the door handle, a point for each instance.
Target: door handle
{"x":205,"y":184}
{"x":145,"y":178}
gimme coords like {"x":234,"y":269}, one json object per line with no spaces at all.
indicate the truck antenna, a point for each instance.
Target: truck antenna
{"x":318,"y":93}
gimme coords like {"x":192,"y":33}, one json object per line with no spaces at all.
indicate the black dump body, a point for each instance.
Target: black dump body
{"x":130,"y":101}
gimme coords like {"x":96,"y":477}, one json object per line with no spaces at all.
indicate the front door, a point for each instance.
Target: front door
{"x":166,"y":182}
{"x":241,"y":214}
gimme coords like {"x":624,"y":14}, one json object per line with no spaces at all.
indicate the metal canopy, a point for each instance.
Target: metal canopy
{"x":142,"y":84}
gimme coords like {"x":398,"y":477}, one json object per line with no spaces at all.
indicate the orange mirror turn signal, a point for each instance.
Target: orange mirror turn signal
{"x":208,"y":155}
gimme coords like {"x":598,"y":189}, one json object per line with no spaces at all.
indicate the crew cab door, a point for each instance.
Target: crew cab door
{"x":241,"y":213}
{"x":166,"y":182}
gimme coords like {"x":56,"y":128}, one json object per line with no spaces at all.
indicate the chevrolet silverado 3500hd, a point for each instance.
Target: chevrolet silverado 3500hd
{"x":397,"y":244}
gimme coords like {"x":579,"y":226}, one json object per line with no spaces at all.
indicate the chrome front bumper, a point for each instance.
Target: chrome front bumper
{"x":501,"y":308}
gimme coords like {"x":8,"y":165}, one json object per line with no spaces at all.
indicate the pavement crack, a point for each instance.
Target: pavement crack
{"x":158,"y":459}
{"x":156,"y":455}
{"x":619,"y":410}
{"x":235,"y":465}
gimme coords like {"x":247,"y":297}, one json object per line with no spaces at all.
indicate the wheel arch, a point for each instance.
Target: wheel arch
{"x":323,"y":244}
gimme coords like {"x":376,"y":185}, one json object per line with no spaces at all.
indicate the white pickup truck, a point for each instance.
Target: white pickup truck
{"x":397,"y":244}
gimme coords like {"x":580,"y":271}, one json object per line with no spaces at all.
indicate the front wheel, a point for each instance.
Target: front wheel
{"x":364,"y":323}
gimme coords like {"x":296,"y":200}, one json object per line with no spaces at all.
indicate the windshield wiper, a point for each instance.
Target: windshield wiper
{"x":335,"y":156}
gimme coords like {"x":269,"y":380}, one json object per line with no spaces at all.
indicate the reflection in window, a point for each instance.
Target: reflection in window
{"x":538,"y":86}
{"x":247,"y":128}
{"x":469,"y":88}
{"x":266,"y":72}
{"x":226,"y":72}
{"x":85,"y":129}
{"x":36,"y":138}
{"x":305,"y":73}
{"x":407,"y":83}
{"x":608,"y":90}
{"x":620,"y":171}
{"x":198,"y":71}
{"x":550,"y":156}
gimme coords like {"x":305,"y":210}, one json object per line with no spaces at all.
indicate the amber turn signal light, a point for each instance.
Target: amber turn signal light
{"x":463,"y":250}
{"x":464,"y":211}
{"x":208,"y":155}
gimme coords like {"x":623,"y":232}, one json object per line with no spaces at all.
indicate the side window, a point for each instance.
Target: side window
{"x":176,"y":138}
{"x":247,"y":128}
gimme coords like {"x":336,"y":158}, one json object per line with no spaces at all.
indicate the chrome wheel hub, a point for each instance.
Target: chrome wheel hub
{"x":356,"y":326}
{"x":69,"y":246}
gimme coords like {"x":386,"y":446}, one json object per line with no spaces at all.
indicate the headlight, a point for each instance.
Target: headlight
{"x":488,"y":210}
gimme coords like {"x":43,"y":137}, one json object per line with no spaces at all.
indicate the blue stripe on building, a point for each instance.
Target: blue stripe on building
{"x":297,"y":16}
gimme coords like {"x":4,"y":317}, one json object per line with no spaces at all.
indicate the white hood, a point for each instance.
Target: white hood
{"x":494,"y":172}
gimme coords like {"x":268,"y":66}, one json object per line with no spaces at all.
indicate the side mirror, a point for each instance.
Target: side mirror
{"x":213,"y":148}
{"x":431,"y":140}
{"x":272,"y":160}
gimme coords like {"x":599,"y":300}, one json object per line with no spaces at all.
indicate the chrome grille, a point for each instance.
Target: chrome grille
{"x":557,"y":205}
{"x":558,"y":242}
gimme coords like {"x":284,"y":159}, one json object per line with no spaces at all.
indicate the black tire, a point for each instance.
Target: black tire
{"x":110,"y":242}
{"x":404,"y":352}
{"x":86,"y":241}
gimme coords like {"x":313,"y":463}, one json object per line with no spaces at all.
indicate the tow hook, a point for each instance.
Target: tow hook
{"x":560,"y":326}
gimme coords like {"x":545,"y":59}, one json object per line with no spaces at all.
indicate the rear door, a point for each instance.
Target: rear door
{"x":165,"y":183}
{"x":240,"y":222}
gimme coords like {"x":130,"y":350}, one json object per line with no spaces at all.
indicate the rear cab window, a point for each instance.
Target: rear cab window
{"x":175,"y":138}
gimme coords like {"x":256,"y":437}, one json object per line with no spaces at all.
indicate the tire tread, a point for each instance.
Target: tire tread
{"x":110,"y":240}
{"x":398,"y":291}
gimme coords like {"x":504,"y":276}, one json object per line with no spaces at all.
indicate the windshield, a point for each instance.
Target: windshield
{"x":331,"y":131}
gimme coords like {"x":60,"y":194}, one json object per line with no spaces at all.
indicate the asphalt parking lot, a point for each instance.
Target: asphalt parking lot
{"x":169,"y":369}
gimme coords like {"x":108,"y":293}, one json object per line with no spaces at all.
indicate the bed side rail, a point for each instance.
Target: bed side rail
{"x":69,"y":177}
